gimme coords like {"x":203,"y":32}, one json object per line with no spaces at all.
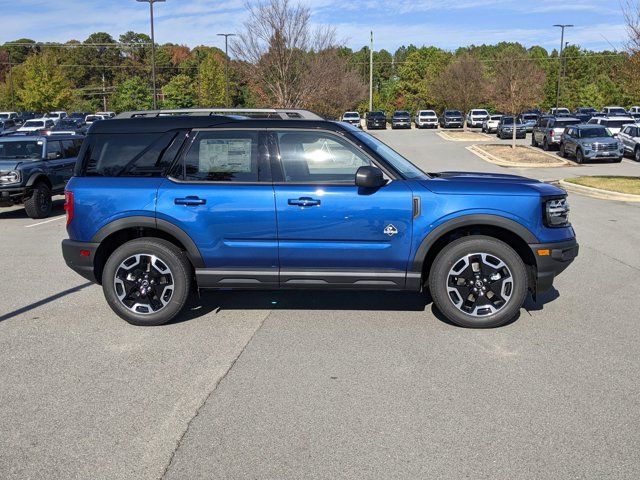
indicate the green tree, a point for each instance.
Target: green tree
{"x":179,"y":93}
{"x":44,"y":85}
{"x":211,"y":82}
{"x":416,"y":77}
{"x":132,"y":94}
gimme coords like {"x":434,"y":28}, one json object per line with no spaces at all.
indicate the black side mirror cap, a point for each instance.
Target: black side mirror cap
{"x":369,"y":177}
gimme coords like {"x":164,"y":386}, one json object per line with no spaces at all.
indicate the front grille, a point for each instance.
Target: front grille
{"x":605,"y":147}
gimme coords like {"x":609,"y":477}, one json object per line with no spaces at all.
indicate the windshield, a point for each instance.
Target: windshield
{"x":427,"y":113}
{"x":615,"y":123}
{"x":530,"y":117}
{"x":595,"y":132}
{"x":376,"y":115}
{"x":617,"y":111}
{"x":4,"y":116}
{"x":34,"y":123}
{"x":397,"y":161}
{"x":453,"y":113}
{"x":26,"y":149}
{"x":496,"y":117}
{"x":507,"y":120}
{"x":351,"y":115}
{"x":479,"y":112}
{"x":564,"y":123}
{"x":91,"y":118}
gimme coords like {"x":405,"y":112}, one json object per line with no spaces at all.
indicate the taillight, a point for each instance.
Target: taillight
{"x":68,"y":205}
{"x":551,"y":133}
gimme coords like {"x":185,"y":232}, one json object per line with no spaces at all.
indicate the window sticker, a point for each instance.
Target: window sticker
{"x":218,"y":155}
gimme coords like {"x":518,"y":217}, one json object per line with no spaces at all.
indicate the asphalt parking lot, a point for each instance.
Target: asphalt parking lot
{"x":311,"y":385}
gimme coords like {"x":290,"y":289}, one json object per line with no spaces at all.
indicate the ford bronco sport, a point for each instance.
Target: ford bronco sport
{"x":165,"y":204}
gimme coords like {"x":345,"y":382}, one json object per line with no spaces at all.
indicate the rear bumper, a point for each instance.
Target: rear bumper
{"x":560,"y":256}
{"x":80,"y":257}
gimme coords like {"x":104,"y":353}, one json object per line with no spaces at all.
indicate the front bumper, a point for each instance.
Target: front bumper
{"x":12,"y":195}
{"x":476,"y":123}
{"x":80,"y":257}
{"x":401,"y":124}
{"x":551,"y":260}
{"x":602,"y":154}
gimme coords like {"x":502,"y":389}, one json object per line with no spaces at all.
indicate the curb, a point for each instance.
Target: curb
{"x":598,"y":192}
{"x":445,"y":136}
{"x":487,"y":157}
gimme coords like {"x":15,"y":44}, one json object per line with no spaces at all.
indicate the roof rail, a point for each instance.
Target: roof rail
{"x":275,"y":113}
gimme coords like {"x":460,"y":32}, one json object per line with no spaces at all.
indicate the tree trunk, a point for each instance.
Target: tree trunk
{"x":513,"y":138}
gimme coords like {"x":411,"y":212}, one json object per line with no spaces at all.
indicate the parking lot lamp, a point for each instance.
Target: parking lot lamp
{"x":371,"y":74}
{"x":562,"y":27}
{"x":226,"y":63}
{"x":153,"y":50}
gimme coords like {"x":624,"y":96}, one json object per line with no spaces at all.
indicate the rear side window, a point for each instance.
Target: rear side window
{"x":223,"y":156}
{"x":71,"y":148}
{"x":126,"y":154}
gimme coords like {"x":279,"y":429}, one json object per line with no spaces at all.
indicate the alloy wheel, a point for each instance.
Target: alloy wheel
{"x":144,"y":284}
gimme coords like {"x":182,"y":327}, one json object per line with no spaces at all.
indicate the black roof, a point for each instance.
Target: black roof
{"x":176,"y":122}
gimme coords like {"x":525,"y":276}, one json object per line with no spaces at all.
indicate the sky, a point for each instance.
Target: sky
{"x":449,"y":24}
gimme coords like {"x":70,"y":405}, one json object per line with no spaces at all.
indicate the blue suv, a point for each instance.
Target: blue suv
{"x":163,"y":205}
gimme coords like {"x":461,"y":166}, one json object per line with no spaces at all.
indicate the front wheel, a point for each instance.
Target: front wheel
{"x":39,"y":204}
{"x":562,"y":151}
{"x":579,"y":156}
{"x":636,"y":154}
{"x":147,"y":281}
{"x":533,"y":140}
{"x":478,"y":282}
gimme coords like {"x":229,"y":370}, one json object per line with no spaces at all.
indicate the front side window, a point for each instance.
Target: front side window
{"x":223,"y":156}
{"x":54,"y":150}
{"x":318,"y":157}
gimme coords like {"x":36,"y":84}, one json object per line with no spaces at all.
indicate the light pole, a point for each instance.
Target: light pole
{"x":153,"y":50}
{"x":371,"y":74}
{"x":562,"y":27}
{"x":226,"y":62}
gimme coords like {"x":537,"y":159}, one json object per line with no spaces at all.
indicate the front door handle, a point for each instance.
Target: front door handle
{"x":304,"y":202}
{"x":191,"y":200}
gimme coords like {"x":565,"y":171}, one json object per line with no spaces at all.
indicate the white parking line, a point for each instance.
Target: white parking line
{"x":46,"y":221}
{"x":626,"y":160}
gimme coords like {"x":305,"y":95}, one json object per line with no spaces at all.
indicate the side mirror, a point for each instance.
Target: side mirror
{"x":53,"y":155}
{"x":369,"y":177}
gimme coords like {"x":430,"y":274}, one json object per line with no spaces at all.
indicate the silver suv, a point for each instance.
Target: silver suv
{"x":590,"y":142}
{"x":548,"y":132}
{"x":630,"y":138}
{"x":476,"y":117}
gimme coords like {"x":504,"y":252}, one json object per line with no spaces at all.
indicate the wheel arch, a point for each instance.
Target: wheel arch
{"x":120,"y":231}
{"x":512,"y":233}
{"x":37,"y":177}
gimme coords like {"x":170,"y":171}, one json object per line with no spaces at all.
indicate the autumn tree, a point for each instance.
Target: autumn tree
{"x":44,"y":85}
{"x":462,"y":84}
{"x":518,"y":84}
{"x":631,"y":9}
{"x":179,"y":93}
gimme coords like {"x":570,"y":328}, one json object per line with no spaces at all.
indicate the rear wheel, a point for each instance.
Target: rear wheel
{"x":533,"y":140}
{"x":545,"y":144}
{"x":636,"y":154}
{"x":39,"y":204}
{"x":478,"y":282}
{"x":147,"y":281}
{"x":562,"y":151}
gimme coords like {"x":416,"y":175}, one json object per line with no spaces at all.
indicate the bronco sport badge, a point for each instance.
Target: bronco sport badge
{"x":390,"y":230}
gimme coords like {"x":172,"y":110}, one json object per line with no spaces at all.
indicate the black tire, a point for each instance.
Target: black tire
{"x":39,"y":204}
{"x":533,"y":140}
{"x":452,"y":255}
{"x":179,"y":276}
{"x":545,"y":145}
{"x":579,"y":156}
{"x":562,"y":151}
{"x":636,"y":154}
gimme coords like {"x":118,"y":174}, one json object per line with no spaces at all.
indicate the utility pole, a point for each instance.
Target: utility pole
{"x":562,"y":27}
{"x":153,"y":51}
{"x":226,"y":63}
{"x":13,"y":106}
{"x":371,"y":74}
{"x":104,"y":95}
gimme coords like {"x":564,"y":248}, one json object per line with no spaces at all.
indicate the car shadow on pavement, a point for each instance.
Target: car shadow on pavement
{"x":56,"y":209}
{"x":531,"y":305}
{"x":213,"y":301}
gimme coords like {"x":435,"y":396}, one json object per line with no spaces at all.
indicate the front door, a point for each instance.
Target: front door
{"x":222,"y":197}
{"x":331,"y":232}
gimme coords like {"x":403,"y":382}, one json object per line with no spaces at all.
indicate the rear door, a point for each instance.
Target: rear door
{"x":56,"y":163}
{"x":221,"y":195}
{"x":332,"y":233}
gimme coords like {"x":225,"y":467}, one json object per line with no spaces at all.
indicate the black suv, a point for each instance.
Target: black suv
{"x":33,"y":168}
{"x":401,"y":119}
{"x":376,"y":120}
{"x":451,"y":119}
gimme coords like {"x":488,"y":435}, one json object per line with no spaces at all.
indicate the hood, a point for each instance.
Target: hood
{"x":473,"y":183}
{"x":7,"y":164}
{"x":599,"y":140}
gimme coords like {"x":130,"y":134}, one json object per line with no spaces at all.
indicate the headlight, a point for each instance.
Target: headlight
{"x":9,"y":177}
{"x":556,"y":212}
{"x":587,"y":145}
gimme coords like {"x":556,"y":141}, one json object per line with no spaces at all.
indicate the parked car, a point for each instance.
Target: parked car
{"x":548,"y":132}
{"x":24,"y":116}
{"x":491,"y":124}
{"x":9,"y":115}
{"x":36,"y":125}
{"x":33,"y":168}
{"x":56,"y":116}
{"x":633,"y":110}
{"x":476,"y":117}
{"x":426,"y":119}
{"x":339,"y":210}
{"x":630,"y":138}
{"x":585,"y":111}
{"x":590,"y":142}
{"x":505,"y":128}
{"x":106,"y":115}
{"x":79,"y":115}
{"x":351,"y":117}
{"x":451,"y":119}
{"x":8,"y":126}
{"x":529,"y":120}
{"x":614,"y":124}
{"x":70,"y":126}
{"x":560,"y":112}
{"x":401,"y":119}
{"x":615,"y":111}
{"x":635,"y":116}
{"x":90,"y":119}
{"x":376,"y":120}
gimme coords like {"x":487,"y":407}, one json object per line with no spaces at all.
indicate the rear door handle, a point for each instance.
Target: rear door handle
{"x":190,"y":201}
{"x":304,"y":202}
